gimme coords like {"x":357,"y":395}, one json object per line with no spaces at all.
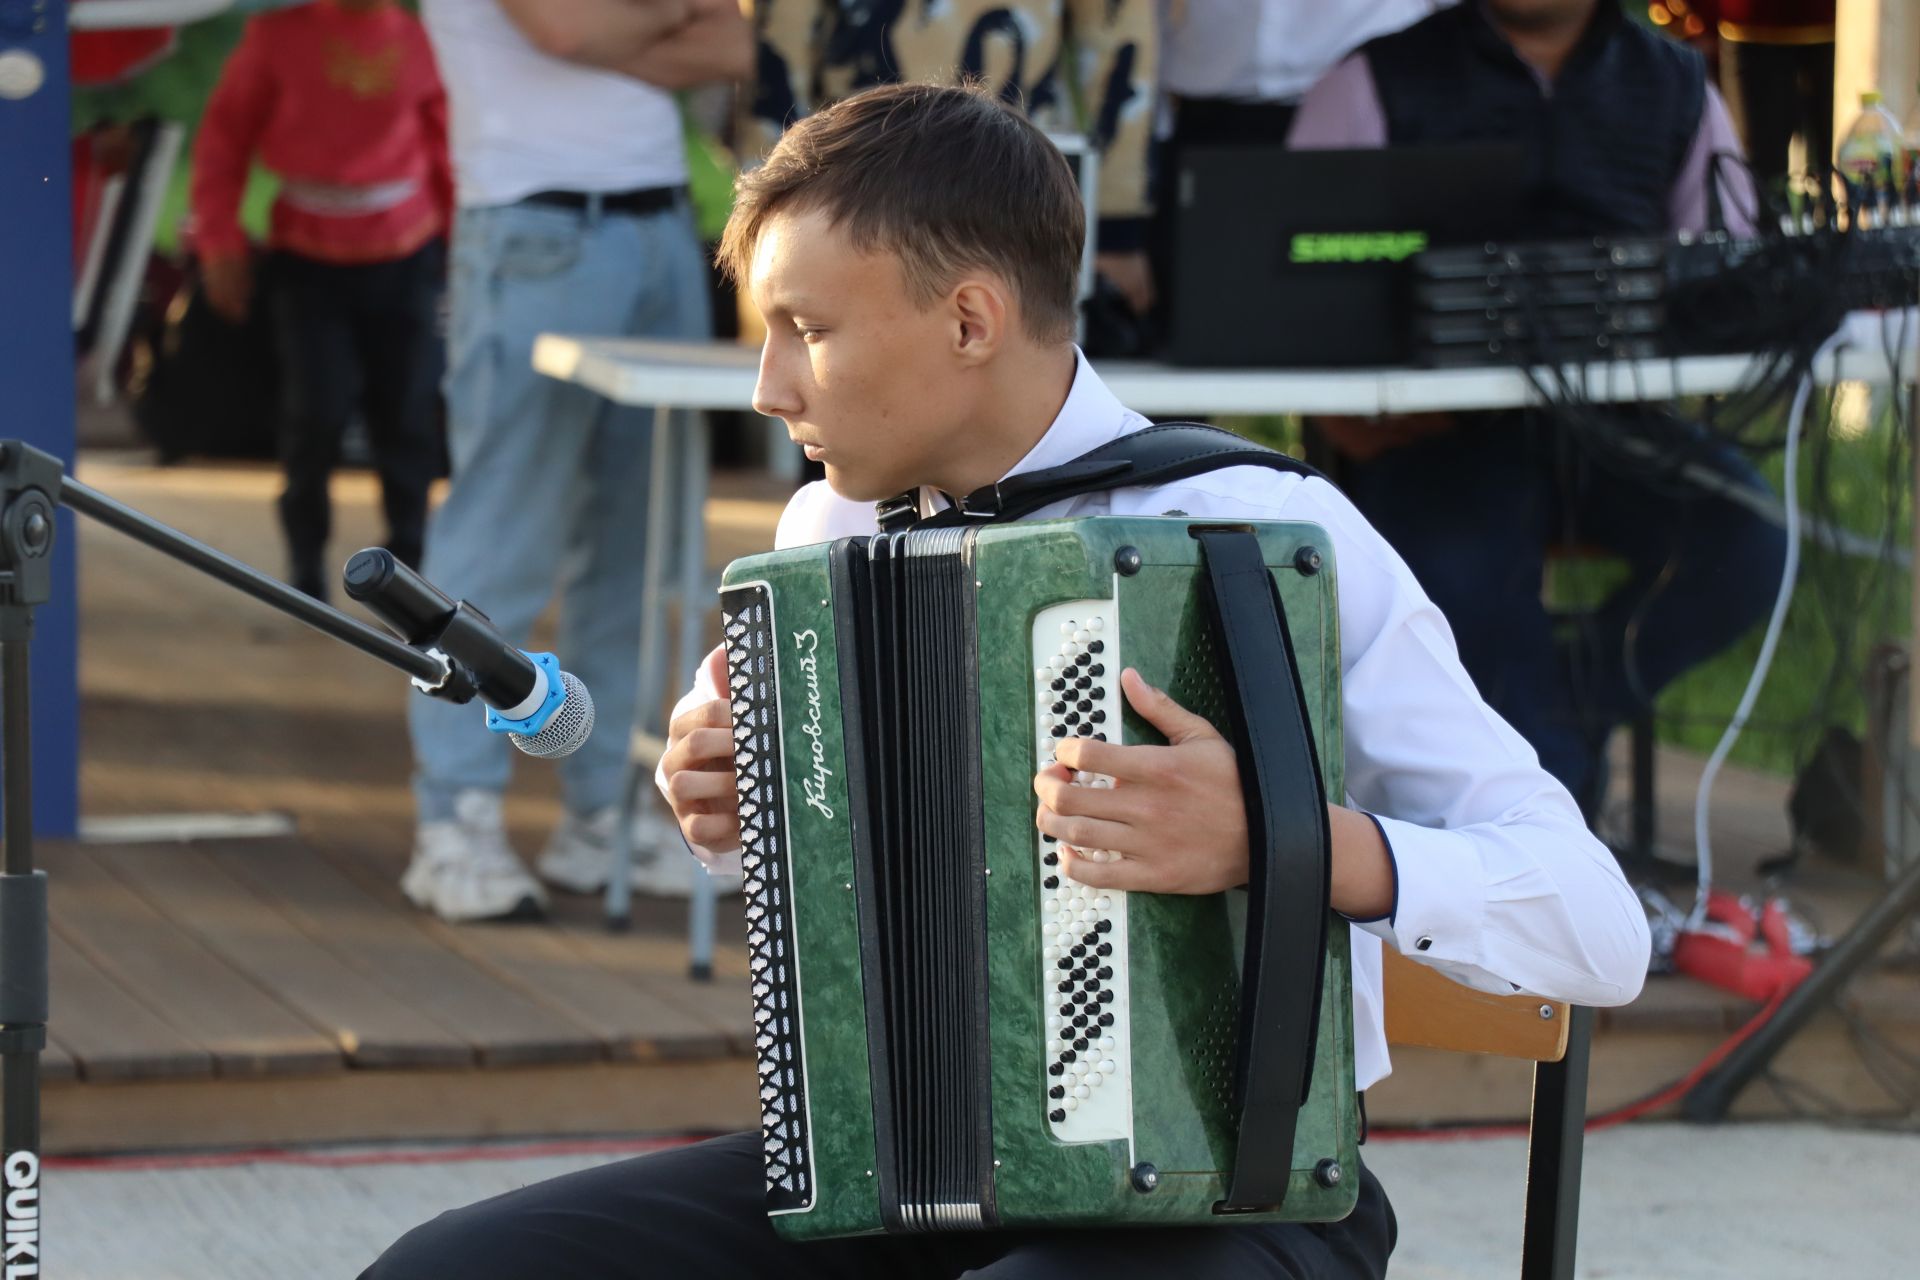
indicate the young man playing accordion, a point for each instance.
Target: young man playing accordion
{"x":914,"y":252}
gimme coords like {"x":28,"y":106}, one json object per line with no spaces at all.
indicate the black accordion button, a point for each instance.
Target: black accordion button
{"x":1059,"y":683}
{"x":1080,"y":1020}
{"x":1099,"y":737}
{"x":1056,"y":1115}
{"x":1066,"y":962}
{"x":1106,"y":1019}
{"x":1059,"y":731}
{"x":1065,"y":987}
{"x":1058,"y":1091}
{"x":1058,"y":707}
{"x":1096,"y":646}
{"x":1073,"y":718}
{"x":1067,"y":1055}
{"x":1099,"y":693}
{"x":1098,"y":717}
{"x":1090,"y":937}
{"x":1106,"y":997}
{"x":1052,"y":859}
{"x":1085,"y":704}
{"x":1104,"y":949}
{"x":1077,"y":950}
{"x":1066,"y":1011}
{"x":1103,"y":972}
{"x":1057,"y":1069}
{"x":1052,"y":882}
{"x":1097,"y":669}
{"x":1103,"y":926}
{"x":1080,"y":1043}
{"x":1050,"y":840}
{"x":1084,"y":659}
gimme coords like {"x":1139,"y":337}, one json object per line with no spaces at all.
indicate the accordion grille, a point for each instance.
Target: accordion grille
{"x":747,"y":619}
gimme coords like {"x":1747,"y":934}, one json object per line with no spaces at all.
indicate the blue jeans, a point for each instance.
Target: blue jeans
{"x":549,"y":479}
{"x":1473,"y":513}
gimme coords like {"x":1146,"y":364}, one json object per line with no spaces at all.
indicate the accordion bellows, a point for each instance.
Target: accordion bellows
{"x":949,"y":1036}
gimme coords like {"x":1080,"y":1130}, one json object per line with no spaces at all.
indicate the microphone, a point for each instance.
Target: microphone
{"x":543,"y":710}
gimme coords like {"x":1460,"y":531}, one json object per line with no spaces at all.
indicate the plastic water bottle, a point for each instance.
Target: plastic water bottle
{"x":1868,"y":161}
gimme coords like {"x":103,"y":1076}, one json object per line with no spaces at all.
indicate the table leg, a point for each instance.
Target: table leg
{"x":636,"y":807}
{"x":695,"y":595}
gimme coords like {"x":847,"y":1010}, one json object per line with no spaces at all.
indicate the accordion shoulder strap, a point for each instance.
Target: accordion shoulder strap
{"x":1158,"y":454}
{"x":1289,"y":863}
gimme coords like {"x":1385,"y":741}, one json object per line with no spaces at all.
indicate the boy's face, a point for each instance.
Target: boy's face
{"x":863,"y":377}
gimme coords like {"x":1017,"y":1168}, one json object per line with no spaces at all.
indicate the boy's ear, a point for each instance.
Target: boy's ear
{"x":981,"y":311}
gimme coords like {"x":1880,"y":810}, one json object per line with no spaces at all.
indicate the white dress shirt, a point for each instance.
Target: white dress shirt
{"x":524,"y":121}
{"x":1269,"y":50}
{"x":1499,"y":883}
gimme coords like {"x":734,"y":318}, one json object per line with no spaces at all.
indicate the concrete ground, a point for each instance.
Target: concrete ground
{"x":1661,"y":1202}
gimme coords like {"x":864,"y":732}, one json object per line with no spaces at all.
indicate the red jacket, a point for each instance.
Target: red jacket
{"x":346,"y":107}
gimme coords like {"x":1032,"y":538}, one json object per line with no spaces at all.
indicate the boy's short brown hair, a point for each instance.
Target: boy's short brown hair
{"x":945,"y":179}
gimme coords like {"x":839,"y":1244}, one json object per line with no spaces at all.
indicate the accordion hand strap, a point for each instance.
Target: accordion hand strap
{"x":1153,"y":455}
{"x":1289,"y":861}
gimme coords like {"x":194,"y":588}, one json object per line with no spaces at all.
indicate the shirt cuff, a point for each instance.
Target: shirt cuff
{"x":1439,"y":894}
{"x":1393,"y":908}
{"x":717,"y":864}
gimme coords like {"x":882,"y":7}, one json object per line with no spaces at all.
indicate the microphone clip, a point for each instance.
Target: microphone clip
{"x":456,"y":683}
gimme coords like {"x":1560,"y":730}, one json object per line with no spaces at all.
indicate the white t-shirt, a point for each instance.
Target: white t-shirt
{"x":523,"y":121}
{"x":1269,"y":50}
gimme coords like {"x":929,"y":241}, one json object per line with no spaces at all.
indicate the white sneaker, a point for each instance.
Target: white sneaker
{"x":579,"y":857}
{"x":464,"y":869}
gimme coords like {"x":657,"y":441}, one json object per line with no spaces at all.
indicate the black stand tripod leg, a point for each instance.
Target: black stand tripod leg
{"x":1709,"y":1100}
{"x":23,"y":956}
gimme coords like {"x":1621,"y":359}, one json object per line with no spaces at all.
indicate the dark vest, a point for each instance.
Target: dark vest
{"x":1603,"y":149}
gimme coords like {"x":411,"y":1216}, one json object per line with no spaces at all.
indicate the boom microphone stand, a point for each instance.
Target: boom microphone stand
{"x":32,"y":484}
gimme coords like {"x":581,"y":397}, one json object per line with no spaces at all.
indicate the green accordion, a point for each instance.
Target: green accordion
{"x":949,"y":1036}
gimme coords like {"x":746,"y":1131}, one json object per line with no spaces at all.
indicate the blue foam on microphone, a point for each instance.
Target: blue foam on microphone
{"x":530,"y":725}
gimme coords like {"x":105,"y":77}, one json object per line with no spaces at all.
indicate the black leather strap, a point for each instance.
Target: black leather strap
{"x":1153,"y":455}
{"x":1289,"y":861}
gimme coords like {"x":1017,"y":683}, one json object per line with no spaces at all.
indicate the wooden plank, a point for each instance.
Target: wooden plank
{"x":722,"y":1005}
{"x":251,"y":933}
{"x":588,"y":1098}
{"x":631,"y":1020}
{"x":56,"y":1062}
{"x":1425,"y":1007}
{"x":111,"y":1035}
{"x":166,"y":969}
{"x":387,"y":944}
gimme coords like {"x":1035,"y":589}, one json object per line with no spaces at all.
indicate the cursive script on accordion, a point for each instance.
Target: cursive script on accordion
{"x":951,"y":1035}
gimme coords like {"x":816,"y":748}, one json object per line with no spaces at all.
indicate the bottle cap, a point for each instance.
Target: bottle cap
{"x":1871,"y":98}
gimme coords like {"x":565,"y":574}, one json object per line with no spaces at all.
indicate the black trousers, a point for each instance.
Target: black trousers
{"x":357,"y":336}
{"x":697,"y":1212}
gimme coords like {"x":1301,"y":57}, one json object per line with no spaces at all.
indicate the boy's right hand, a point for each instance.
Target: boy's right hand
{"x":699,"y":769}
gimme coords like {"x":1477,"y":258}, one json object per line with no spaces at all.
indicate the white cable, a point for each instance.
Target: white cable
{"x":1790,"y":498}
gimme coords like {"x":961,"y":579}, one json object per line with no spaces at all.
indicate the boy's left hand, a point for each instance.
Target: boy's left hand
{"x":1174,"y":815}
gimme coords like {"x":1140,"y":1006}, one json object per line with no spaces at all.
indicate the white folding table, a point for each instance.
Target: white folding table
{"x":715,"y":375}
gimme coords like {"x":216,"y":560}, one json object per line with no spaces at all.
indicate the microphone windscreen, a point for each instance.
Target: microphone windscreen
{"x":570,"y":726}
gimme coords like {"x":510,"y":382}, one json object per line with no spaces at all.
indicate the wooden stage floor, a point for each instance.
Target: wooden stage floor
{"x":268,"y":990}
